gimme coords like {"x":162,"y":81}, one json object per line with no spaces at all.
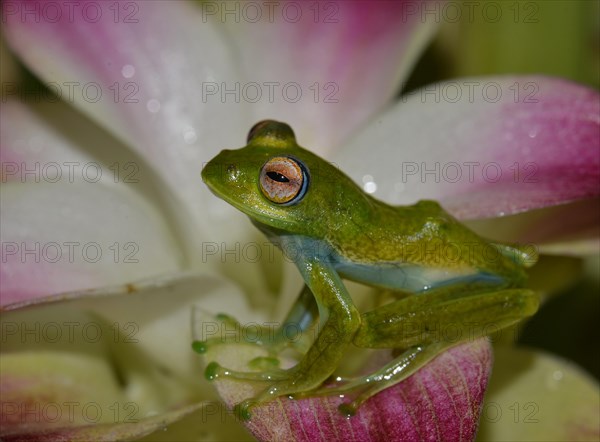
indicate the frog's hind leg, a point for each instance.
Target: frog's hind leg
{"x":419,"y":325}
{"x":525,"y":255}
{"x":362,"y":388}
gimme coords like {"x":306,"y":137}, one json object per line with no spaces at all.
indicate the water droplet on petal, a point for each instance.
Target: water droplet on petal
{"x":370,"y":187}
{"x":189,"y":136}
{"x":153,"y":105}
{"x":128,"y":71}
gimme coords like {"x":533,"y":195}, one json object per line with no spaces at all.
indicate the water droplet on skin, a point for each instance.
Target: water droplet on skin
{"x":128,"y":71}
{"x":153,"y":105}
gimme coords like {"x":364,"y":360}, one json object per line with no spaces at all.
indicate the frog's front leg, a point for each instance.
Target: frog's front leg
{"x":418,"y":327}
{"x":293,"y":332}
{"x":339,"y":321}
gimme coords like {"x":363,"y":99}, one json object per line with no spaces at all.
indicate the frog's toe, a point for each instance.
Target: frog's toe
{"x":264,"y":363}
{"x":229,"y":333}
{"x":242,"y":410}
{"x":348,"y":409}
{"x":214,"y":371}
{"x":227,"y":319}
{"x":354,"y":388}
{"x":200,"y":346}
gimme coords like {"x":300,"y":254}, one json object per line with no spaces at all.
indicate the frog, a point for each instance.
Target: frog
{"x":438,"y":271}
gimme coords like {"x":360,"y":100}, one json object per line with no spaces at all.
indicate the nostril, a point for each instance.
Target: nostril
{"x":232,"y":172}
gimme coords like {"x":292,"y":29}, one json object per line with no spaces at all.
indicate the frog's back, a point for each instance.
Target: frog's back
{"x":421,"y":246}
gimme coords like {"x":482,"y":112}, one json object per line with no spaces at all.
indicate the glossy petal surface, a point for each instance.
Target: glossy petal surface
{"x":483,"y":147}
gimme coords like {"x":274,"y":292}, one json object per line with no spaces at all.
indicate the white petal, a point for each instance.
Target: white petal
{"x":146,"y":77}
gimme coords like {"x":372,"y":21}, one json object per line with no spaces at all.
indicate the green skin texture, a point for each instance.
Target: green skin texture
{"x":440,"y":271}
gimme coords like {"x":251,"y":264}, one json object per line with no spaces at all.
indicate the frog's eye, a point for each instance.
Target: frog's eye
{"x":271,"y":129}
{"x":283,"y":180}
{"x":256,"y":128}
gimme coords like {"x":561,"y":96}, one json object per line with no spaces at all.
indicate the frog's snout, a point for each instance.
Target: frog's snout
{"x":209,"y":172}
{"x":221,"y":170}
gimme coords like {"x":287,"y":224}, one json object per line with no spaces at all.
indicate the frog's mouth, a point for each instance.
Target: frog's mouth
{"x":221,"y":193}
{"x":264,"y":221}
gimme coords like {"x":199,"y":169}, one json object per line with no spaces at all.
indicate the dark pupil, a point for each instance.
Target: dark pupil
{"x":278,"y":177}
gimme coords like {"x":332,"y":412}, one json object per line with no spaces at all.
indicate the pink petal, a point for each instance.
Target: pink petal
{"x":51,"y":242}
{"x":332,"y":65}
{"x":142,"y":70}
{"x":567,"y":229}
{"x":9,"y":72}
{"x":442,"y":401}
{"x":480,"y":153}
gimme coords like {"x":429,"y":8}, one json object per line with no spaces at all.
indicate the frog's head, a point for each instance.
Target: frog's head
{"x":279,"y":184}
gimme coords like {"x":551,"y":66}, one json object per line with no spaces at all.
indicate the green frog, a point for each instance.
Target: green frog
{"x":439,"y":271}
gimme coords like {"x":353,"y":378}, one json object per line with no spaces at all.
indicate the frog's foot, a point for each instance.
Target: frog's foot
{"x":232,"y":331}
{"x":273,"y":348}
{"x":288,"y":386}
{"x":214,"y":370}
{"x":227,"y":332}
{"x":364,"y":387}
{"x":281,"y":383}
{"x":358,"y":390}
{"x":203,"y":346}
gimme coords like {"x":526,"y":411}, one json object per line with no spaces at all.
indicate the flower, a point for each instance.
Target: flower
{"x":109,"y":237}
